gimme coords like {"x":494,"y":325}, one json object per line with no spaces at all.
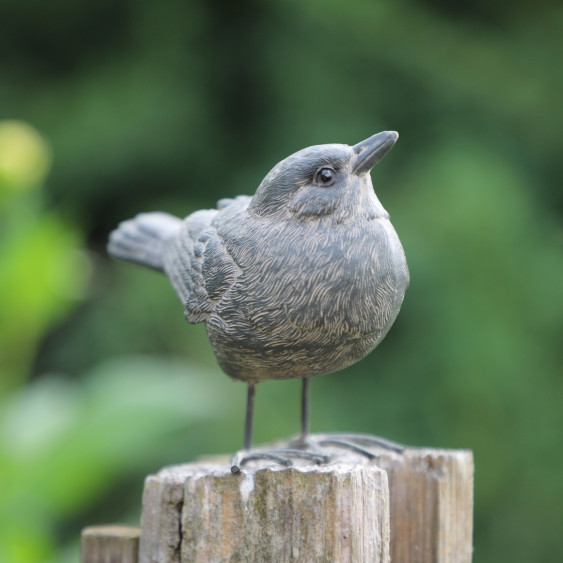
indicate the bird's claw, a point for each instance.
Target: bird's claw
{"x":281,"y":456}
{"x":357,"y":442}
{"x":310,"y":449}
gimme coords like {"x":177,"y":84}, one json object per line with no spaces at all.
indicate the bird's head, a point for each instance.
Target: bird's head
{"x":325,"y":181}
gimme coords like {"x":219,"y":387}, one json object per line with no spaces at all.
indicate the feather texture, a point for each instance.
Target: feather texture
{"x":304,"y":278}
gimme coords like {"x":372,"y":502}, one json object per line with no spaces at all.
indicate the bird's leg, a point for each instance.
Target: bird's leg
{"x":307,"y":446}
{"x":244,"y":455}
{"x":305,"y":418}
{"x":249,"y":415}
{"x":353,"y":441}
{"x":281,"y":456}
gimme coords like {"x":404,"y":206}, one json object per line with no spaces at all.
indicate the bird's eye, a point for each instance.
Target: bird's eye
{"x":325,"y":175}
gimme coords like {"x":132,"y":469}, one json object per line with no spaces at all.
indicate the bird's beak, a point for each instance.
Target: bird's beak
{"x":372,"y":150}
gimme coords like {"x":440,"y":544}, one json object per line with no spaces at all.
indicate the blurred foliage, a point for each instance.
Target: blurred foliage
{"x":24,"y":157}
{"x":64,"y":441}
{"x":40,"y":274}
{"x":133,"y":106}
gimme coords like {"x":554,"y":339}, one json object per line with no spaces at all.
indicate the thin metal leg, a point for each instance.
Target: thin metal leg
{"x":249,"y":415}
{"x":308,"y":446}
{"x":305,"y":418}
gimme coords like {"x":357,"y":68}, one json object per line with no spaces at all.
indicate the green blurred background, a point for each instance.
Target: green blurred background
{"x":109,"y":108}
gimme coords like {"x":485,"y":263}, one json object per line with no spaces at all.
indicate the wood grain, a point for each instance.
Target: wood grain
{"x":114,"y":543}
{"x":414,"y":506}
{"x":310,"y":513}
{"x":431,"y":494}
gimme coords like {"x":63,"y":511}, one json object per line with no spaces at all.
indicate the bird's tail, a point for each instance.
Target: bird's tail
{"x":142,"y":239}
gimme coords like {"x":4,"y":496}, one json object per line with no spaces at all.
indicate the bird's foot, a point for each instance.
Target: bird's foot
{"x":355,"y":441}
{"x":281,"y":456}
{"x":313,"y":448}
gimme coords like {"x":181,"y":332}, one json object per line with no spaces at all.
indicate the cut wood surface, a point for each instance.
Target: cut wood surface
{"x":113,"y":543}
{"x":202,"y":513}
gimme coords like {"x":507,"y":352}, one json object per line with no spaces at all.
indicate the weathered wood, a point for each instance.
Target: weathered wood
{"x":114,"y":543}
{"x":431,"y":494}
{"x":338,"y":512}
{"x":202,"y":513}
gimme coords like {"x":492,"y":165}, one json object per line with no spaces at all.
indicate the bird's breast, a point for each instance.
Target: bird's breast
{"x":318,"y":284}
{"x":308,"y":300}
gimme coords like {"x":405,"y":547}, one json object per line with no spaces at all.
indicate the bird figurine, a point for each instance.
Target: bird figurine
{"x":304,"y":278}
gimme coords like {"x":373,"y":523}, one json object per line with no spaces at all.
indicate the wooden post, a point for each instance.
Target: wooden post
{"x":431,"y":494}
{"x":202,"y":513}
{"x":335,"y":512}
{"x":110,"y":544}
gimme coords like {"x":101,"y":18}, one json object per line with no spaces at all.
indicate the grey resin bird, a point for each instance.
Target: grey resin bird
{"x":304,"y":278}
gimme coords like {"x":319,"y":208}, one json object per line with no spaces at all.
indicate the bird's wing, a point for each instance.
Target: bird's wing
{"x":198,"y":264}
